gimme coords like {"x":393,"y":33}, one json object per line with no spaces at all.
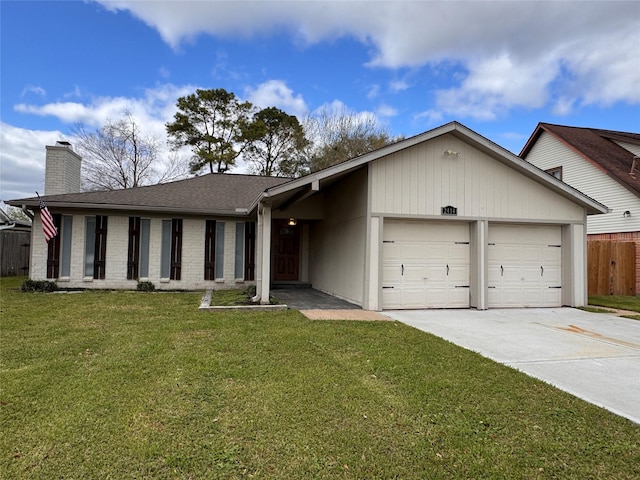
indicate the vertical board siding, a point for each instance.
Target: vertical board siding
{"x":584,"y":176}
{"x":623,"y":237}
{"x":611,"y":268}
{"x":14,"y":252}
{"x":421,"y":180}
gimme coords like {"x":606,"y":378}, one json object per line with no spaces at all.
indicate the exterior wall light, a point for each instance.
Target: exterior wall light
{"x":292,"y":222}
{"x":626,"y":214}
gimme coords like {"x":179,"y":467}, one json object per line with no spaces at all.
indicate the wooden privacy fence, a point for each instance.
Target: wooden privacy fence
{"x":14,"y":252}
{"x":611,"y":267}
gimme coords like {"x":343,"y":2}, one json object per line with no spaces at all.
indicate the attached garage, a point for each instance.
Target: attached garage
{"x":524,"y":264}
{"x":445,"y":219}
{"x":425,"y":264}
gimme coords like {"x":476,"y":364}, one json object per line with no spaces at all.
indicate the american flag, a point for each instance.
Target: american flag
{"x":48,"y":227}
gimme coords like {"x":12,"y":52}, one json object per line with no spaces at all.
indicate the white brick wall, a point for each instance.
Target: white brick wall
{"x":62,"y":172}
{"x":192,"y":275}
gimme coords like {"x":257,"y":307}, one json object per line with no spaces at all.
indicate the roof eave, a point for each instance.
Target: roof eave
{"x":33,"y":203}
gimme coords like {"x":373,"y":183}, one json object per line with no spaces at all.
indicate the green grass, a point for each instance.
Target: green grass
{"x":98,"y":385}
{"x":620,"y":302}
{"x":226,"y":298}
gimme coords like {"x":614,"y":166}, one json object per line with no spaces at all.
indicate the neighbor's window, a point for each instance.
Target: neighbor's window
{"x":555,"y":172}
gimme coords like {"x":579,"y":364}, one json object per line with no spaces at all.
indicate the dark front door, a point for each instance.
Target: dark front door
{"x":286,"y":251}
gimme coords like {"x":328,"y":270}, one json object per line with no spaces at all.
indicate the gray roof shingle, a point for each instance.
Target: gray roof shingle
{"x":207,"y":194}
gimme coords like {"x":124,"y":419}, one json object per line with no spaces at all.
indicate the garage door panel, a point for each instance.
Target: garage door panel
{"x":524,"y":266}
{"x":424,"y":264}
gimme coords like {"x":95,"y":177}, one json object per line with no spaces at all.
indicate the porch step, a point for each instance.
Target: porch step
{"x":282,"y":285}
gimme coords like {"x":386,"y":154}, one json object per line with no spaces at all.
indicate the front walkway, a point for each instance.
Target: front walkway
{"x":317,"y":305}
{"x":310,"y":299}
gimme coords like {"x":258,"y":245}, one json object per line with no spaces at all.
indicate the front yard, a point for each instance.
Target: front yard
{"x":142,"y":385}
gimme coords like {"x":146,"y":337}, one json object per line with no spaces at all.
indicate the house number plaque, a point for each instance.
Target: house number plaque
{"x":449,"y":210}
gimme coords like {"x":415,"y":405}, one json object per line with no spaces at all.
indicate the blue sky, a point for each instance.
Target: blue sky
{"x":497,"y":67}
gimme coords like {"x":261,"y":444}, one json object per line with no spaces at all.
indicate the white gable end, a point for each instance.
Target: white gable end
{"x":423,"y":179}
{"x":548,"y":152}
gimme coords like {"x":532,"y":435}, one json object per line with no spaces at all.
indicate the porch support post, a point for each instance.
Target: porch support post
{"x":265,"y":257}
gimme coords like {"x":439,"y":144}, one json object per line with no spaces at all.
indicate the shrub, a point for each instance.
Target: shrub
{"x":146,"y":287}
{"x":38,"y":286}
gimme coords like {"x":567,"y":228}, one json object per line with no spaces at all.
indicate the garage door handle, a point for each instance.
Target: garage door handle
{"x":402,"y":269}
{"x":501,"y":271}
{"x":541,"y":271}
{"x":447,"y":269}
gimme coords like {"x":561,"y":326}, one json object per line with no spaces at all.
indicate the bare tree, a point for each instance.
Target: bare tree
{"x":337,"y":136}
{"x":119,"y":155}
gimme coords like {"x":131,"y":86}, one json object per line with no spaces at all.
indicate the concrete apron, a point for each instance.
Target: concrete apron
{"x":593,"y":356}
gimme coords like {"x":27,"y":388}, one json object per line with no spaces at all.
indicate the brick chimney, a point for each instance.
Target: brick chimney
{"x":63,"y":166}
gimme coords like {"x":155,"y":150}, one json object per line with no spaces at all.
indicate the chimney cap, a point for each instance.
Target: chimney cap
{"x":63,"y":143}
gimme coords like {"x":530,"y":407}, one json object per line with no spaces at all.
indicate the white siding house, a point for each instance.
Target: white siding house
{"x":603,"y":164}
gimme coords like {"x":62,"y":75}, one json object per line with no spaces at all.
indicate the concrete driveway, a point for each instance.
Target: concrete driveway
{"x":591,"y":355}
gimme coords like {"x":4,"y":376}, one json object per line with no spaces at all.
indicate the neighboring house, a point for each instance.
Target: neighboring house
{"x":604,"y":165}
{"x":445,"y":219}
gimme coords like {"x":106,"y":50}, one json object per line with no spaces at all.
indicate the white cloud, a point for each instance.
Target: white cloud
{"x":276,"y":93}
{"x":532,"y":42}
{"x":22,"y":156}
{"x":399,"y":85}
{"x":37,"y":90}
{"x":386,"y":111}
{"x":495,"y":84}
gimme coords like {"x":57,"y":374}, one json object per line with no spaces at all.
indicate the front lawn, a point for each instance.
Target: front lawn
{"x":620,"y":302}
{"x":98,"y":385}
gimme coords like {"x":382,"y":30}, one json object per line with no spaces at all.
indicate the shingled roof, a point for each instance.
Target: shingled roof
{"x":598,"y":147}
{"x":221,"y":194}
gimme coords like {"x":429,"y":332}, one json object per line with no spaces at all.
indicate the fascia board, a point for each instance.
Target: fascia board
{"x":29,"y":203}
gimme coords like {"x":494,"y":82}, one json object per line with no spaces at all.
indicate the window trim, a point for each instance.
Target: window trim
{"x":555,"y":172}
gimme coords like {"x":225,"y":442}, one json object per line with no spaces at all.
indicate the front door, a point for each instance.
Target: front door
{"x":286,"y":251}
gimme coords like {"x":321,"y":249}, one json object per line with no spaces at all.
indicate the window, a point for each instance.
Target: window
{"x":95,"y":257}
{"x":53,"y":250}
{"x":145,"y":234}
{"x":214,"y":250}
{"x":555,"y":172}
{"x":219,"y":250}
{"x":65,"y":259}
{"x":239,"y":264}
{"x":138,"y":254}
{"x":171,"y":254}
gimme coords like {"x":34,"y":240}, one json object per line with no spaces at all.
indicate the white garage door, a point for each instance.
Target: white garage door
{"x":425,"y":265}
{"x":524,"y":264}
